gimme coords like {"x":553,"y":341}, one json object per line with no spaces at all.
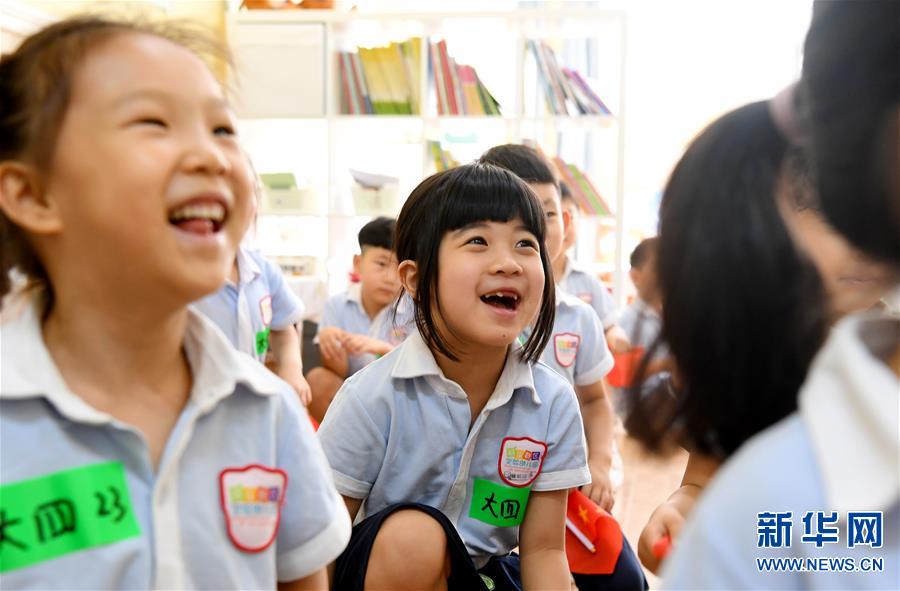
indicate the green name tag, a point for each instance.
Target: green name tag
{"x":64,"y":512}
{"x":262,"y":341}
{"x":497,"y":504}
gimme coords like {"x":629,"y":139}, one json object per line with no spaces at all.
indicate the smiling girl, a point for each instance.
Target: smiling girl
{"x":456,"y":447}
{"x":130,"y":429}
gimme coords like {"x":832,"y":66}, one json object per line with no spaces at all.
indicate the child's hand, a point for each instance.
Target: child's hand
{"x":617,"y":340}
{"x":665,"y":522}
{"x":600,"y":490}
{"x":357,"y":344}
{"x":331,"y":342}
{"x":294,"y":377}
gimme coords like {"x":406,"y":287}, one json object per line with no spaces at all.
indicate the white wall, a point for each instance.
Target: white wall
{"x":690,"y":61}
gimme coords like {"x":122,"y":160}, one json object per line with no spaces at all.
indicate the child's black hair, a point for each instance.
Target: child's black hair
{"x":522,"y":161}
{"x":642,"y":252}
{"x":448,"y":201}
{"x":850,"y":94}
{"x":378,"y":233}
{"x":743,"y":311}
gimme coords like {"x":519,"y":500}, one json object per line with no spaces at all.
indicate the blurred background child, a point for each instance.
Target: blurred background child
{"x":360,"y":324}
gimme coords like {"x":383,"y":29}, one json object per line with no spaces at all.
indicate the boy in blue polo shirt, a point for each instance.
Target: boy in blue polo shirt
{"x":584,"y":285}
{"x":360,"y":325}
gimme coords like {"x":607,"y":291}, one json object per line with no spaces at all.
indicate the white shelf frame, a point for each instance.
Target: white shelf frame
{"x":431,"y":20}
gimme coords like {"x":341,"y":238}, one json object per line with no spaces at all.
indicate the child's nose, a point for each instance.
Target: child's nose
{"x":204,"y":155}
{"x":506,"y":264}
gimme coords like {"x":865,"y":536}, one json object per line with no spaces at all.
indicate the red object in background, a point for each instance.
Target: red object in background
{"x":661,"y":548}
{"x":626,"y":365}
{"x":354,"y":277}
{"x":602,"y":531}
{"x":315,"y":424}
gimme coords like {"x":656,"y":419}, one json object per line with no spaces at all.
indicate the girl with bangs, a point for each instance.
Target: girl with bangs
{"x":457,"y":446}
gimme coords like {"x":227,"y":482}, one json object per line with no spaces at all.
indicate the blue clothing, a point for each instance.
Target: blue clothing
{"x":399,"y":431}
{"x":345,"y":311}
{"x":642,"y":325}
{"x":838,"y":454}
{"x":260,"y":302}
{"x":241,"y":427}
{"x":577,"y":349}
{"x":587,"y":288}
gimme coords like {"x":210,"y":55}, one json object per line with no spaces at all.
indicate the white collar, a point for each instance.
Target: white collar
{"x":850,"y":405}
{"x":567,"y":270}
{"x":248,"y":270}
{"x":415,"y":359}
{"x":29,"y":372}
{"x":567,"y":299}
{"x":645,"y":308}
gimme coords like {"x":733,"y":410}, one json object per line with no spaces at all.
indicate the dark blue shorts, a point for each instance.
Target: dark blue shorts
{"x":501,"y":573}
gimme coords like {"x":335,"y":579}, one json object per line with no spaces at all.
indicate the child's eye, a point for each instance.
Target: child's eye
{"x":551,"y":214}
{"x":153,"y":121}
{"x":527,"y":243}
{"x":477,"y":240}
{"x":224,"y":130}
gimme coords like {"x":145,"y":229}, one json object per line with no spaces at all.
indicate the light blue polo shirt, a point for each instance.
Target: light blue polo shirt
{"x":398,"y":431}
{"x":642,"y":324}
{"x":345,"y":311}
{"x":838,"y":454}
{"x":587,"y":288}
{"x":577,"y":347}
{"x":259,"y":303}
{"x":208,"y":517}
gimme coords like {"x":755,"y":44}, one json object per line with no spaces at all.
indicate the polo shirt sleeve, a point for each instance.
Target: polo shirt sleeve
{"x":315,"y":526}
{"x":331,"y":314}
{"x":603,"y":303}
{"x":594,"y":360}
{"x":287,"y":308}
{"x":565,"y":465}
{"x":354,"y":442}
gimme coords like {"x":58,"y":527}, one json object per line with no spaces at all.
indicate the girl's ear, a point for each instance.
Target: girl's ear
{"x":23,"y":201}
{"x":409,"y":276}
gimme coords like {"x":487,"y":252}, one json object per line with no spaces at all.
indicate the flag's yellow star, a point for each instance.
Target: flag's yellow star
{"x":583,"y":513}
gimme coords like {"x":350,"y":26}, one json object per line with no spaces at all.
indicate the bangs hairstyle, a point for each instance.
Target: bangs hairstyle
{"x":448,"y":201}
{"x":35,"y":86}
{"x":743,"y":311}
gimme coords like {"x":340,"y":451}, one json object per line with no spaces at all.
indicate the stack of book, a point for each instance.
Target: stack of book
{"x":586,"y":195}
{"x":381,"y":80}
{"x":565,"y":90}
{"x":459,"y":90}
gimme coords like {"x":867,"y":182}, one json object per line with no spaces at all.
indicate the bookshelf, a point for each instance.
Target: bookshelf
{"x":295,"y":55}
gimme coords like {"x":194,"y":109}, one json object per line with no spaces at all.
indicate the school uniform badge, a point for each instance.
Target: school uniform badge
{"x":521,"y":460}
{"x":252,"y":497}
{"x":265,"y":310}
{"x":565,"y":347}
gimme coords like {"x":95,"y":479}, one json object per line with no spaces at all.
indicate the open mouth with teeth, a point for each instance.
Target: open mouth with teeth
{"x":506,"y":300}
{"x":198,"y":218}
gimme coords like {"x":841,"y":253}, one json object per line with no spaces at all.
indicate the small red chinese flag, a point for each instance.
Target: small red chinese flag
{"x":626,"y":365}
{"x":593,"y":538}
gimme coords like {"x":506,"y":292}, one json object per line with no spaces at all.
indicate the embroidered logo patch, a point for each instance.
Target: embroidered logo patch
{"x":565,"y":347}
{"x":251,"y":500}
{"x":265,"y":310}
{"x":521,"y":460}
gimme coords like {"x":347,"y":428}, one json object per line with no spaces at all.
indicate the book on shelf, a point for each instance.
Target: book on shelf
{"x":586,"y":194}
{"x":565,"y":90}
{"x":443,"y":159}
{"x":381,"y":80}
{"x":458,"y":87}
